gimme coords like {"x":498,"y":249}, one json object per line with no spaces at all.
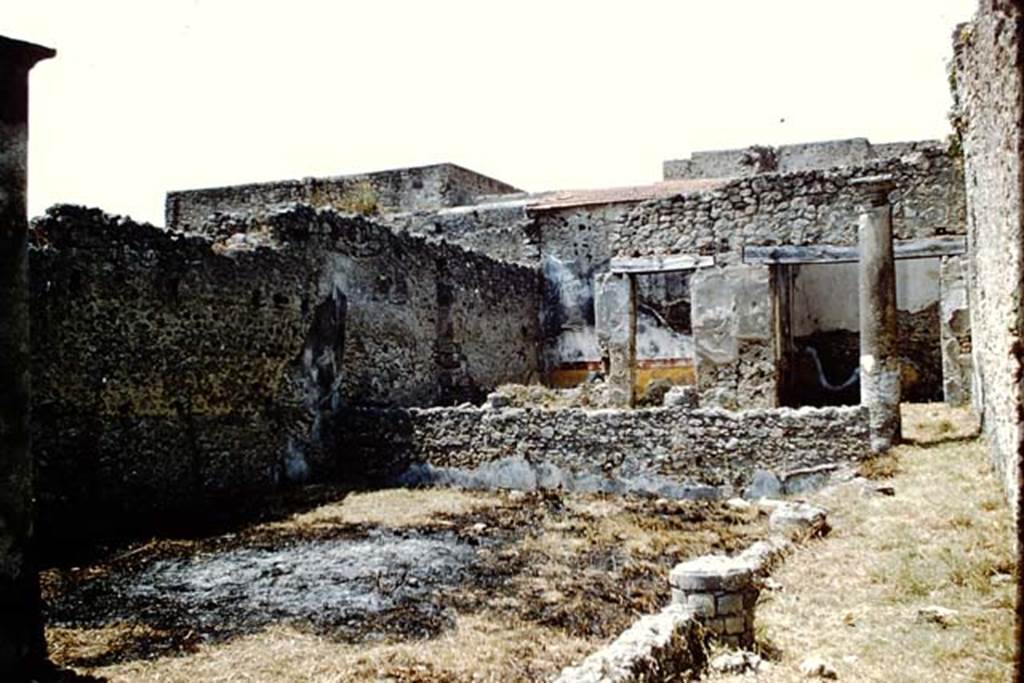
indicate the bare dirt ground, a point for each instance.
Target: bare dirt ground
{"x":939,"y":535}
{"x":395,"y":585}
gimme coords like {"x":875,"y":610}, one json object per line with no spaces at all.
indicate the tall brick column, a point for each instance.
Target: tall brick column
{"x":879,"y":341}
{"x":22,"y":646}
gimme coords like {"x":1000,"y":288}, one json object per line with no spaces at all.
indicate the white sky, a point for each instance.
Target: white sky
{"x":145,"y":97}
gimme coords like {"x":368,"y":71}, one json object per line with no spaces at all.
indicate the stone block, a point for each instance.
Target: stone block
{"x":732,"y":641}
{"x":807,"y":478}
{"x":729,"y":604}
{"x":764,"y":484}
{"x":735,"y":625}
{"x":715,"y":626}
{"x":712,"y":573}
{"x":702,"y":604}
{"x":799,"y":517}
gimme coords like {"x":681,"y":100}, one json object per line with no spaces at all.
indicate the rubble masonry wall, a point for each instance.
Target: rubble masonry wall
{"x":800,"y":208}
{"x":658,"y":450}
{"x":990,"y":88}
{"x":172,"y":371}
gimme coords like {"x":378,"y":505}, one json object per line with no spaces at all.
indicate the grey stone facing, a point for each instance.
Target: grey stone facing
{"x":807,"y":478}
{"x":763,"y":484}
{"x":671,"y":452}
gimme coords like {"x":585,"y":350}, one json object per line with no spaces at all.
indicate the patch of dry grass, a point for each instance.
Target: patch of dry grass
{"x":392,"y":508}
{"x":944,"y":539}
{"x":933,"y":423}
{"x":475,"y":650}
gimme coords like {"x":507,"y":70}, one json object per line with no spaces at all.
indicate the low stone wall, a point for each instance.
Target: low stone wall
{"x":673,"y":452}
{"x":713,"y":600}
{"x":667,"y":646}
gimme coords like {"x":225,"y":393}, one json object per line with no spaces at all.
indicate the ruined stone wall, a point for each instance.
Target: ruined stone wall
{"x":428,"y":322}
{"x":806,"y":156}
{"x":811,"y":207}
{"x":574,"y":248}
{"x":501,"y":231}
{"x":800,"y":208}
{"x":171,"y":370}
{"x":165,"y":374}
{"x":406,"y":189}
{"x":991,"y":119}
{"x":667,"y":451}
{"x":733,"y":337}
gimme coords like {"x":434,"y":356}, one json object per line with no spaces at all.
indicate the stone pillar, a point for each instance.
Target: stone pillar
{"x":22,"y":646}
{"x":722,"y":593}
{"x":615,"y":317}
{"x":955,"y":331}
{"x":879,"y":341}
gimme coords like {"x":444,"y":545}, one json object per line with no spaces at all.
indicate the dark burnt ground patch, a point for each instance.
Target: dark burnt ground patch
{"x":582,"y":565}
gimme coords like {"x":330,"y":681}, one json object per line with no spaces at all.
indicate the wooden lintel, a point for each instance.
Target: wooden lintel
{"x":925,"y":247}
{"x":659,"y":264}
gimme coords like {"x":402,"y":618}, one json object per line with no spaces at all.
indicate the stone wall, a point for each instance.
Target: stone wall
{"x":575,"y":243}
{"x":733,"y":337}
{"x":667,"y":451}
{"x":406,"y":189}
{"x":172,"y":369}
{"x":990,"y":88}
{"x":165,"y":374}
{"x":806,"y":156}
{"x":503,"y":231}
{"x":804,"y":208}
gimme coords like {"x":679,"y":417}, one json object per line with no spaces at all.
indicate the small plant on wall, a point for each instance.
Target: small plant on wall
{"x":360,"y":198}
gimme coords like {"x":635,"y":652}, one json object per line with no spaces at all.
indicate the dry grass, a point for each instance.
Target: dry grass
{"x":944,"y":539}
{"x":395,"y":508}
{"x":560,"y":576}
{"x":476,"y":650}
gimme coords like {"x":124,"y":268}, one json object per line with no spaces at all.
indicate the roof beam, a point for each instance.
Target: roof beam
{"x":925,"y":247}
{"x":659,"y":264}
